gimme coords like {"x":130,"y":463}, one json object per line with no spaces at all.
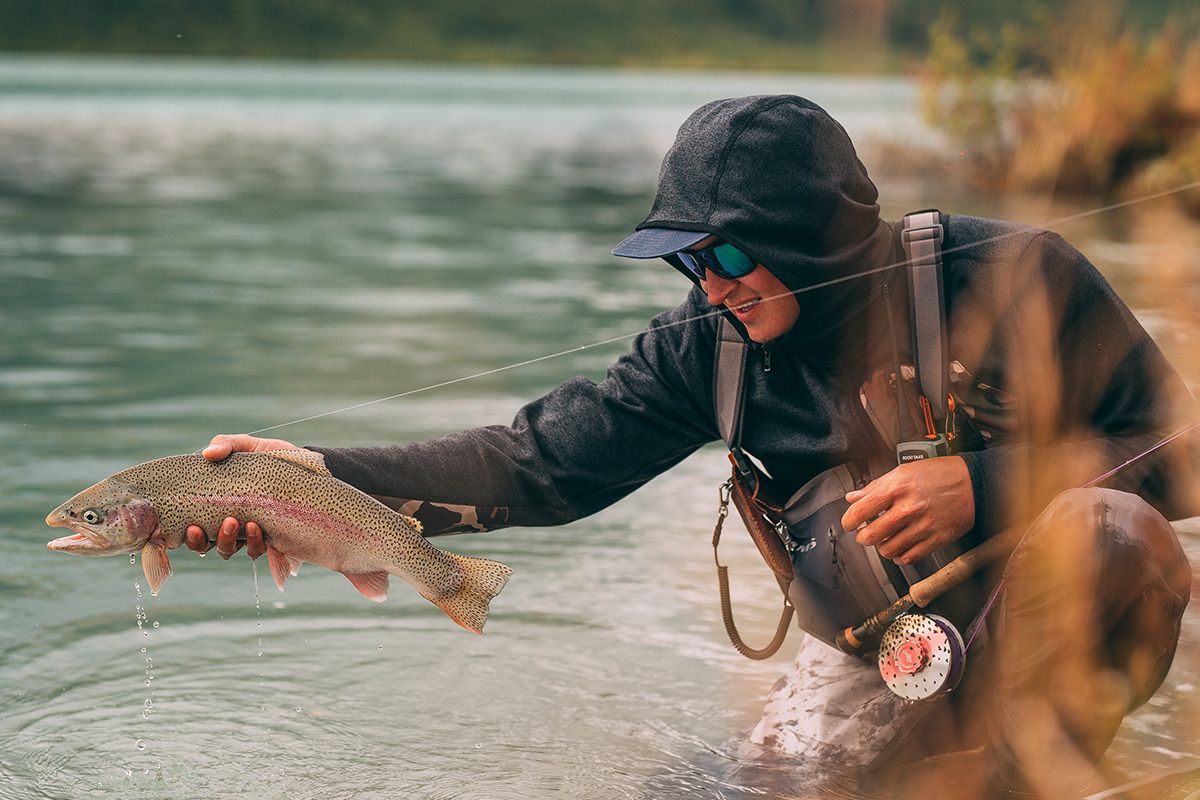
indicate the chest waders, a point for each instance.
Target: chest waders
{"x":829,"y":581}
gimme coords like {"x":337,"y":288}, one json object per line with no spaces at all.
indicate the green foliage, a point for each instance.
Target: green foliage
{"x":1086,"y":102}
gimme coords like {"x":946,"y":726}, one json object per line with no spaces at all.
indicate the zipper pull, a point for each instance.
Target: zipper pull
{"x":766,"y":360}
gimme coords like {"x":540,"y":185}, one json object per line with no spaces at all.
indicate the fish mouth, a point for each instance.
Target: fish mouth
{"x":78,"y":543}
{"x":81,"y":541}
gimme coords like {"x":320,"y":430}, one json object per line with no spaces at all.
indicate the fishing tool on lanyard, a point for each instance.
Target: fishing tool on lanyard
{"x":921,"y":656}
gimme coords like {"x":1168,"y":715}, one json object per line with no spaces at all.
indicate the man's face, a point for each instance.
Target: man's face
{"x":758,"y":299}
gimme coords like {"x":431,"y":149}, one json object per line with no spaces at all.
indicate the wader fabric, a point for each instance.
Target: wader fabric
{"x":1084,"y":633}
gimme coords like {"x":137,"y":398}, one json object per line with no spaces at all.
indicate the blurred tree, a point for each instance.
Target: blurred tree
{"x":1082,"y":102}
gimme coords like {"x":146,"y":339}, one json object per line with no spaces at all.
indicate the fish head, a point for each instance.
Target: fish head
{"x":107,"y":519}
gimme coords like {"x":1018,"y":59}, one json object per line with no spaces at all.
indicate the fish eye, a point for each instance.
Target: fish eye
{"x":92,"y":516}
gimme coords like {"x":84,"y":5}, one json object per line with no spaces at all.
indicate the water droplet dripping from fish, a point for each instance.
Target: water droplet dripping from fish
{"x":132,"y":558}
{"x":156,"y":623}
{"x":139,"y":744}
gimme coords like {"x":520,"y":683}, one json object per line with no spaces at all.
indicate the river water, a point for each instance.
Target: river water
{"x":195,"y":247}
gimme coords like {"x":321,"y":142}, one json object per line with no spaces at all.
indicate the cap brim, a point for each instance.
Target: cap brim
{"x":657,"y":242}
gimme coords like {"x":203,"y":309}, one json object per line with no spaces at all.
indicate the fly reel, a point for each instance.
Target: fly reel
{"x":922,"y":656}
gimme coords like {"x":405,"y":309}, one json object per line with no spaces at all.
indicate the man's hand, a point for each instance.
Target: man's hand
{"x":223,"y":444}
{"x":914,"y":509}
{"x":220,"y":448}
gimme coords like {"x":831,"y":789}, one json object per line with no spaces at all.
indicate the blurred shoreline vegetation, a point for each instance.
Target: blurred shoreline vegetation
{"x":820,"y":35}
{"x":1090,"y":101}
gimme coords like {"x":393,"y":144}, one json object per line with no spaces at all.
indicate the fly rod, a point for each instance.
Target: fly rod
{"x":922,"y":593}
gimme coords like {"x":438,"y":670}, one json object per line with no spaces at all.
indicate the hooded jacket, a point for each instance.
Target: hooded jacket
{"x":1078,"y":383}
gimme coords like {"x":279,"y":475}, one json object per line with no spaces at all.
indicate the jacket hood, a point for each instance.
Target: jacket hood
{"x":779,"y":178}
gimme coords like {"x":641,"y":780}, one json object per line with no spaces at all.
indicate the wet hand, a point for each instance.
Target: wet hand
{"x":914,"y":509}
{"x":223,"y":444}
{"x":227,"y":539}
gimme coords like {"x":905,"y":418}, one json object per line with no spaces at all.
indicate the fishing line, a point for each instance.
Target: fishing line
{"x":717,"y":311}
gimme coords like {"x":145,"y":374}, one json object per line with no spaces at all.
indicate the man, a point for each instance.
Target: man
{"x":763,"y":204}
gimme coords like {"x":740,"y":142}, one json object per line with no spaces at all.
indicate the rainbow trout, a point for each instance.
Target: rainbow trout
{"x":306,"y":515}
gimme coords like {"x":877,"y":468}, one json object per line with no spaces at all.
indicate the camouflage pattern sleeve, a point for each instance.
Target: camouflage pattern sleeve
{"x":441,"y":519}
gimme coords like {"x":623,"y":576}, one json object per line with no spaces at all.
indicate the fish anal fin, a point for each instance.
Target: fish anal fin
{"x":156,"y":564}
{"x":282,"y":566}
{"x":373,"y":585}
{"x":307,"y":459}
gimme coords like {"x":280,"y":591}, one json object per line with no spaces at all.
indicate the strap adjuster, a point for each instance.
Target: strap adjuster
{"x":931,"y":233}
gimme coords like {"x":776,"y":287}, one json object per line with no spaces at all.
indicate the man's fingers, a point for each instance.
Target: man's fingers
{"x":227,"y":543}
{"x":897,"y":545}
{"x":880,"y":530}
{"x":219,"y":449}
{"x":916,"y":552}
{"x":255,"y":545}
{"x":865,"y":508}
{"x":223,"y":444}
{"x":197,"y":540}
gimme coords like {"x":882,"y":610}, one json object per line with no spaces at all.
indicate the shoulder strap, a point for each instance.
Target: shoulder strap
{"x":922,"y":239}
{"x":729,"y":377}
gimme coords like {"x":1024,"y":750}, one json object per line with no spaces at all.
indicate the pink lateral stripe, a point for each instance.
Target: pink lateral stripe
{"x":296,"y":511}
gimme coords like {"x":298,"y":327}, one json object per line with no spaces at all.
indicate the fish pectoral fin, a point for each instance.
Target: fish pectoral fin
{"x":282,"y":566}
{"x":156,"y":563}
{"x":308,"y":459}
{"x":373,"y":585}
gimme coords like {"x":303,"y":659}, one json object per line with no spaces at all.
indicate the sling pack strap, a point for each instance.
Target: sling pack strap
{"x":729,"y":377}
{"x":921,"y":237}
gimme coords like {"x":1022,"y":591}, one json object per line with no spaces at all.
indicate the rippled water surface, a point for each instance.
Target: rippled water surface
{"x":194,"y":247}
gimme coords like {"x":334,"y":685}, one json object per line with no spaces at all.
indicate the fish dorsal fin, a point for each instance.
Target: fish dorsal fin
{"x":413,"y":523}
{"x":309,"y":460}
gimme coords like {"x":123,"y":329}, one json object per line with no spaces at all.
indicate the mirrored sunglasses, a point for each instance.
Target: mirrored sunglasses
{"x":721,"y":259}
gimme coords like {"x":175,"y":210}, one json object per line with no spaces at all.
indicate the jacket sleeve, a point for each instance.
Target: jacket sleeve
{"x":568,"y":454}
{"x":1096,"y":391}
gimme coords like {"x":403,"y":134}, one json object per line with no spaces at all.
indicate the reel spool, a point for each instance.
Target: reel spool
{"x":922,"y":656}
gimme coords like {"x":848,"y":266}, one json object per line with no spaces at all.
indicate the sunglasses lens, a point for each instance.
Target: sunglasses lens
{"x":725,"y":260}
{"x":734,"y":263}
{"x":689,"y":261}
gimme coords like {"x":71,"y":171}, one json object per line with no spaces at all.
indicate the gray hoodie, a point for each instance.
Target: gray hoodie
{"x":1031,"y":321}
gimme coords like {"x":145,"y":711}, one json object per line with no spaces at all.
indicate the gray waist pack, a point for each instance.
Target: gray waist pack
{"x":837,"y":582}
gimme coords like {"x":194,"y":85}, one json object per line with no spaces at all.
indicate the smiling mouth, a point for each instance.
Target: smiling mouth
{"x":745,"y":308}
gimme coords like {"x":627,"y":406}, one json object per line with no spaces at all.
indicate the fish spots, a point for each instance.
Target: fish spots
{"x":306,"y":515}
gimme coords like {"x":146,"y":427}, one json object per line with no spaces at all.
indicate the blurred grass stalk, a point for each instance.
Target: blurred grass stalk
{"x":1081,"y":102}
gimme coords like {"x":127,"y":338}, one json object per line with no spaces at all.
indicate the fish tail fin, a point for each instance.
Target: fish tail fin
{"x":482,"y":580}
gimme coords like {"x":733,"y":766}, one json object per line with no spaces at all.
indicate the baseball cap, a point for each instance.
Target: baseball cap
{"x":657,"y":242}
